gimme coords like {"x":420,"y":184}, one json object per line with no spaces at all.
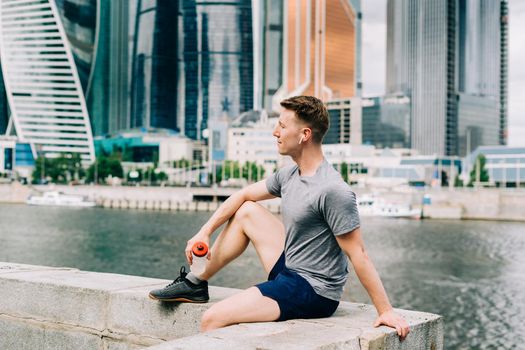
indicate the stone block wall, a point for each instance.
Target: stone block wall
{"x":62,"y":308}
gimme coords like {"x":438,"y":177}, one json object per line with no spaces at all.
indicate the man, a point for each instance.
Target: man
{"x":305,"y":254}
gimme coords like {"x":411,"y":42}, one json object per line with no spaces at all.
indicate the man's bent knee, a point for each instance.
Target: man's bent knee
{"x":246,"y":209}
{"x":211,"y":321}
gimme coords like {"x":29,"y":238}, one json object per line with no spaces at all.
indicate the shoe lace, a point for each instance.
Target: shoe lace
{"x":181,"y":277}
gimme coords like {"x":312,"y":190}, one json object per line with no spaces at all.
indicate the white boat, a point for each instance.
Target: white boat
{"x":374,"y":206}
{"x":54,"y":198}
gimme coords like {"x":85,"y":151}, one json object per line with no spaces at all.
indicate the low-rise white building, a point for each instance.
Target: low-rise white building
{"x":254,"y":142}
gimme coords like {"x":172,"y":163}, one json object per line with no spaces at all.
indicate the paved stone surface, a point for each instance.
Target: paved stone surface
{"x":350,"y":328}
{"x":290,"y":335}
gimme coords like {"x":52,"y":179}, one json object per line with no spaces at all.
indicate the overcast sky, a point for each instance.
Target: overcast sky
{"x":374,"y":55}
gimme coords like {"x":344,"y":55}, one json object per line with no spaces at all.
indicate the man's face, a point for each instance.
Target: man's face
{"x":288,"y":131}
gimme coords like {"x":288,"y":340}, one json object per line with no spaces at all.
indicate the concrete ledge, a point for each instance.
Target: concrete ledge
{"x":61,"y":308}
{"x":350,"y":328}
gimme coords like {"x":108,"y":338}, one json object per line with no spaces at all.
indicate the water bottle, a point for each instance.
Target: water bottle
{"x":199,"y":252}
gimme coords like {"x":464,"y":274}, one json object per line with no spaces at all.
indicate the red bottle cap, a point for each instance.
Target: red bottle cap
{"x":199,"y":249}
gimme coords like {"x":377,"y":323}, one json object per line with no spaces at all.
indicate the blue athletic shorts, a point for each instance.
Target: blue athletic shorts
{"x":295,"y":296}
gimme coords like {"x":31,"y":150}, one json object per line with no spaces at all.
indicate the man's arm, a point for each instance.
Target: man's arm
{"x":254,"y":192}
{"x":352,"y":244}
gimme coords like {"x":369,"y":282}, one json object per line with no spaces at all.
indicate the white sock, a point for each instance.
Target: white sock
{"x":193,"y":279}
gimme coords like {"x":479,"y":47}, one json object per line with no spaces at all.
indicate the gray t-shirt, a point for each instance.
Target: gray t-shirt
{"x":315,"y":209}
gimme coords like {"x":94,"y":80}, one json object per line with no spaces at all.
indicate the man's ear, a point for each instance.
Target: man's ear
{"x":307,"y":134}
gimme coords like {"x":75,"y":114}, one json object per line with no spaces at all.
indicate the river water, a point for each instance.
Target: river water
{"x":471,"y":272}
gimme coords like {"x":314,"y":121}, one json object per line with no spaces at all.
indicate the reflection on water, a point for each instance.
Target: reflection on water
{"x":471,"y":272}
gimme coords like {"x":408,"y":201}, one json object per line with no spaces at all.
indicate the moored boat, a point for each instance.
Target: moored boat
{"x":55,"y":198}
{"x":374,"y":206}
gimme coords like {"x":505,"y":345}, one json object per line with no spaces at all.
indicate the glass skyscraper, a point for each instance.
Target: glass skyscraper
{"x":386,"y":121}
{"x":4,"y":106}
{"x":126,"y":55}
{"x":441,"y":52}
{"x":322,"y":49}
{"x":272,"y":50}
{"x":43,"y":85}
{"x":154,"y":64}
{"x":216,"y":62}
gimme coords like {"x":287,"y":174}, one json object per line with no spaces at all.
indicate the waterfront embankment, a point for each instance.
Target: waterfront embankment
{"x":62,"y":308}
{"x":442,"y":203}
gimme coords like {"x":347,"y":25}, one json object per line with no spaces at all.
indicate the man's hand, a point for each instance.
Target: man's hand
{"x":392,"y":319}
{"x":199,"y":237}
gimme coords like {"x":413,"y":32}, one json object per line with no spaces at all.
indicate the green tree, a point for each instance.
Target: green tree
{"x":252,"y":172}
{"x":62,"y":169}
{"x":105,"y":166}
{"x":181,"y":163}
{"x":478,"y":172}
{"x":42,"y":164}
{"x":458,"y":182}
{"x":344,"y":171}
{"x":154,"y":175}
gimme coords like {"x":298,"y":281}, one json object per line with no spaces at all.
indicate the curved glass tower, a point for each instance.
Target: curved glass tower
{"x":42,"y":83}
{"x":125,"y":53}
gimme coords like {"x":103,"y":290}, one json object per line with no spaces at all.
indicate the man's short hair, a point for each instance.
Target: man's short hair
{"x":312,"y":111}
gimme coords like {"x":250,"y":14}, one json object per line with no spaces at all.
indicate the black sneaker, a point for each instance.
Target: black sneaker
{"x":182,"y":290}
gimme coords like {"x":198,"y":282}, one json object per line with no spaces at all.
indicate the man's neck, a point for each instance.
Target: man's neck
{"x":309,"y":160}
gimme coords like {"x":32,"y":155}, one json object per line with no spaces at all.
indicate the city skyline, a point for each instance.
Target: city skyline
{"x":374,"y":61}
{"x":153,"y":101}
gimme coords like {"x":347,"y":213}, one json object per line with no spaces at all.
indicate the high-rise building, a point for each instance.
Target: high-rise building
{"x":449,"y":57}
{"x":322,"y":49}
{"x":153,"y":85}
{"x":98,"y":36}
{"x":345,"y":121}
{"x":216,"y":63}
{"x":125,"y":55}
{"x":386,"y":121}
{"x":270,"y":53}
{"x":42,"y":83}
{"x":482,"y":74}
{"x":4,"y":106}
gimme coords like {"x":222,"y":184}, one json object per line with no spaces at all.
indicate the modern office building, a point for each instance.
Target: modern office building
{"x":126,"y":55}
{"x":4,"y":106}
{"x":141,"y":145}
{"x":482,"y":73}
{"x":459,"y":49}
{"x":46,"y":101}
{"x":383,"y":122}
{"x":386,"y":121}
{"x":505,"y":165}
{"x":153,"y":65}
{"x":254,"y":143}
{"x":106,"y":65}
{"x":345,"y":122}
{"x":269,"y":50}
{"x":322,"y":49}
{"x":216,"y":63}
{"x":421,"y":63}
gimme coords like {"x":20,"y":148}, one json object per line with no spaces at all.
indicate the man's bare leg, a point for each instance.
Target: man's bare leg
{"x":247,"y":306}
{"x":251,"y":223}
